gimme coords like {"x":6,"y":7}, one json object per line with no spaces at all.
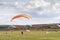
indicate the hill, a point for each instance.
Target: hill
{"x":33,"y":27}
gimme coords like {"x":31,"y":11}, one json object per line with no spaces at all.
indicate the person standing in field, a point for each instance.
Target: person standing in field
{"x":22,"y":32}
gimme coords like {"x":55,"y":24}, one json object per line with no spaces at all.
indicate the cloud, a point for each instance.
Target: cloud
{"x":41,"y":11}
{"x":48,"y":11}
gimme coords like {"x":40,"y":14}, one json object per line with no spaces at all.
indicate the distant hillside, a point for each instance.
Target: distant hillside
{"x":33,"y":27}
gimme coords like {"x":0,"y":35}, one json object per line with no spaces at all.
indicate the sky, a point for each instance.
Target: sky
{"x":40,"y":11}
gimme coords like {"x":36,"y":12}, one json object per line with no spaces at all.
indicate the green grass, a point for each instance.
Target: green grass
{"x":33,"y":35}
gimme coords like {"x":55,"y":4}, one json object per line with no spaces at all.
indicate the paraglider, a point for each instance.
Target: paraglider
{"x":28,"y":27}
{"x":11,"y":27}
{"x":20,"y":16}
{"x":58,"y":25}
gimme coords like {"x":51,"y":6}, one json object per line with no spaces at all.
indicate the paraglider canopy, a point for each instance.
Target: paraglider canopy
{"x":12,"y":26}
{"x":20,"y":16}
{"x":58,"y":25}
{"x":28,"y":25}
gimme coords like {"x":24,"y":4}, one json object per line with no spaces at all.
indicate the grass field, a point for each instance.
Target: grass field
{"x":33,"y":35}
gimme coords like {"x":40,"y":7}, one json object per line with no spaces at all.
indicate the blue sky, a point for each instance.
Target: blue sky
{"x":41,"y":11}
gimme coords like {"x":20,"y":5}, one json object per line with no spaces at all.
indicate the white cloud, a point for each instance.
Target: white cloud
{"x":41,"y":3}
{"x":36,"y":3}
{"x":47,"y":13}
